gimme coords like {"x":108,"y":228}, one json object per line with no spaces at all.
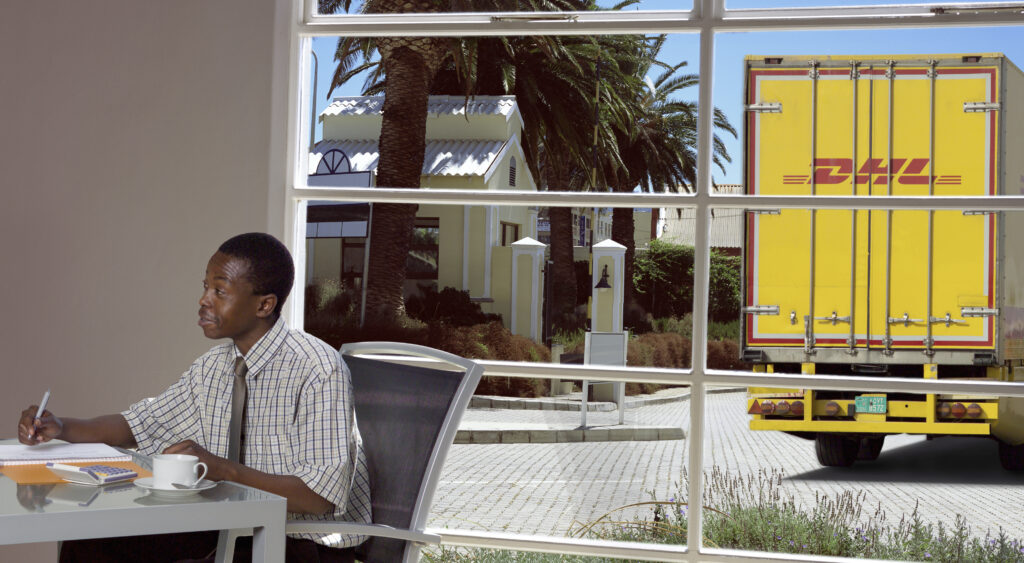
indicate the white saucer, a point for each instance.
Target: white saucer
{"x":146,"y":484}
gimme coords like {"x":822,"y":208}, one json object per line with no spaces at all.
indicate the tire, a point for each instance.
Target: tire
{"x":836,"y":450}
{"x":869,"y":448}
{"x":1011,"y":457}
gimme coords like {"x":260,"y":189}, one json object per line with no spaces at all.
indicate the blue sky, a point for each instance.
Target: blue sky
{"x":731,"y":48}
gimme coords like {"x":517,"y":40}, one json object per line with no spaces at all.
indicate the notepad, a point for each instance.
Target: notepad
{"x":20,"y":454}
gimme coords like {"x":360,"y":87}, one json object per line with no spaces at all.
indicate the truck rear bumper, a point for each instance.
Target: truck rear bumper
{"x":841,"y":355}
{"x":880,"y":427}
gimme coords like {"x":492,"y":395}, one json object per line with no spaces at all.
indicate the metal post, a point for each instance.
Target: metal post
{"x":891,"y":75}
{"x":929,"y":340}
{"x":854,"y":75}
{"x":809,"y":336}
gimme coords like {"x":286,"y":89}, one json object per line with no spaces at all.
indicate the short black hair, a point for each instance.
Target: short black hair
{"x":271,"y":269}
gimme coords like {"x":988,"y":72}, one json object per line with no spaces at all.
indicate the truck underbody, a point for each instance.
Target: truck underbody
{"x":848,"y":426}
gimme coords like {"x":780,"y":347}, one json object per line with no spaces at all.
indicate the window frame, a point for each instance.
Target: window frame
{"x":297,"y":21}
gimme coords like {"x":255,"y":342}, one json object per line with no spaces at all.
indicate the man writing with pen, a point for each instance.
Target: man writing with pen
{"x":298,"y":435}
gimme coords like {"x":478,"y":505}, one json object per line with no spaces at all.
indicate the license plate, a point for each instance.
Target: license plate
{"x":871,"y":405}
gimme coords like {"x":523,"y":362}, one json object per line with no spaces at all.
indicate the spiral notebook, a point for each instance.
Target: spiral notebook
{"x":20,"y":454}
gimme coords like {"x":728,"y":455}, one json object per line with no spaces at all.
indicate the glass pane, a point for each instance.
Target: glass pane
{"x":533,"y":467}
{"x":869,"y":473}
{"x":780,"y":62}
{"x":335,"y":7}
{"x":461,"y":280}
{"x":905,"y":497}
{"x":527,"y":109}
{"x":759,"y":4}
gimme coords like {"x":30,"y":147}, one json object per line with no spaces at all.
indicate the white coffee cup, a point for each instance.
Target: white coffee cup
{"x":177,"y":468}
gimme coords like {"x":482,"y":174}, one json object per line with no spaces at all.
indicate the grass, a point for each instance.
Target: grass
{"x":749,"y":512}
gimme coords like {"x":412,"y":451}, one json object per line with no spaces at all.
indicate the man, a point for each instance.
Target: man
{"x":298,"y":437}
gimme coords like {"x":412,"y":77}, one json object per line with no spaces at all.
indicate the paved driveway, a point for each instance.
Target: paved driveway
{"x":550,"y":489}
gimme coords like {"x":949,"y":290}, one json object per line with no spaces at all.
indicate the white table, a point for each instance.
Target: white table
{"x":38,"y":513}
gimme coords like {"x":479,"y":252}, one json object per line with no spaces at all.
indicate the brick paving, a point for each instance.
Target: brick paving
{"x":553,"y":488}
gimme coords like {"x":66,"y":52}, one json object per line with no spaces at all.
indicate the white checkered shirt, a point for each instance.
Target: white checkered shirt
{"x":299,"y":419}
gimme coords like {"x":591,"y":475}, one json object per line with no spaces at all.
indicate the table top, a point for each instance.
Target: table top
{"x":68,"y":511}
{"x":67,"y":497}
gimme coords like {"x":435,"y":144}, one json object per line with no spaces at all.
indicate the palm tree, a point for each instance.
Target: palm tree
{"x":408,"y":66}
{"x":554,"y":81}
{"x":656,"y":150}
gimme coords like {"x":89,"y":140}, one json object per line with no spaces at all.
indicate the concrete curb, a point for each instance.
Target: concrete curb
{"x":553,"y":435}
{"x":557,"y":404}
{"x":527,"y":433}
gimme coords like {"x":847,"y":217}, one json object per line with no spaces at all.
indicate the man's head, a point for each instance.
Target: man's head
{"x":247,"y":281}
{"x":271,"y":269}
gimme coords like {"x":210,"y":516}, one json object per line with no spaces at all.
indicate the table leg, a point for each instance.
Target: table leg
{"x":268,"y":543}
{"x":226,"y":545}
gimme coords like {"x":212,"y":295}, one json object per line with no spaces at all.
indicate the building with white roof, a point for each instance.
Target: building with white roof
{"x":471,"y":144}
{"x":677,"y":225}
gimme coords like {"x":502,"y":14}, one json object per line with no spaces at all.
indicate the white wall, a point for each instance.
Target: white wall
{"x":134,"y":138}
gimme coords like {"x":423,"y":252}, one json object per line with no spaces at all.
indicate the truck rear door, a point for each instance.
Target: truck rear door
{"x":879,"y":279}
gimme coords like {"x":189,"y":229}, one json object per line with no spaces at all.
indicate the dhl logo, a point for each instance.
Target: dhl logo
{"x":906,"y":171}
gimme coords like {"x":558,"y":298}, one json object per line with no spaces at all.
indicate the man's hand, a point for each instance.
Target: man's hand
{"x":300,"y":497}
{"x":217,"y":468}
{"x":32,"y":432}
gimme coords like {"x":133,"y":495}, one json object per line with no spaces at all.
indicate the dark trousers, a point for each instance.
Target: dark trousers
{"x":189,"y":547}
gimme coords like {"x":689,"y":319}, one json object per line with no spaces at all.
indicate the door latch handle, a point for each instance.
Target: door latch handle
{"x":834,"y":318}
{"x":948,"y":320}
{"x":905,"y":319}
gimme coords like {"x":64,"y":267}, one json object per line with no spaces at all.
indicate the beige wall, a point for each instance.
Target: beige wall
{"x":136,"y":137}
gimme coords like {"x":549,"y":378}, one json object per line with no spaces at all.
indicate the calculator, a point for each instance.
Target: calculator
{"x":91,"y":474}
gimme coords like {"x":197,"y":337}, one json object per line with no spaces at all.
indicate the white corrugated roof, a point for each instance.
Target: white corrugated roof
{"x":442,"y":158}
{"x":726,"y":229}
{"x":436,"y":105}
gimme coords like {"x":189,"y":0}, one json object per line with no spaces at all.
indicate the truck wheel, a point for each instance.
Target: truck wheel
{"x":836,"y":450}
{"x":870,"y":447}
{"x":1011,"y":457}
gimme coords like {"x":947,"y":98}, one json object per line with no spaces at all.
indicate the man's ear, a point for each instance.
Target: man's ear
{"x":268,"y":303}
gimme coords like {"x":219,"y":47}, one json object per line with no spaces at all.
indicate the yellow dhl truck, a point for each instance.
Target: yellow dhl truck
{"x":907,"y":293}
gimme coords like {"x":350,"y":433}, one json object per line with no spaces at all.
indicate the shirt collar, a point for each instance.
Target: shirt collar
{"x":265,"y":348}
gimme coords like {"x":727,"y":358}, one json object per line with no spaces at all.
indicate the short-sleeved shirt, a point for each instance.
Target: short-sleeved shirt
{"x":299,"y":419}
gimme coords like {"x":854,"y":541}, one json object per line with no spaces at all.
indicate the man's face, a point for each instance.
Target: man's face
{"x":229,"y":307}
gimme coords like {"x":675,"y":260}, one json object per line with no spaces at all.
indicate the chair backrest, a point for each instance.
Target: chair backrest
{"x":408,"y":416}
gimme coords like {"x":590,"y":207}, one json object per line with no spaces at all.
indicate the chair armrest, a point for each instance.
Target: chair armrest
{"x":377,"y":530}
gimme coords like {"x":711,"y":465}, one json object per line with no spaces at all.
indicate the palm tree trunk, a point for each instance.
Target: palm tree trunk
{"x":563,"y":268}
{"x":402,"y":143}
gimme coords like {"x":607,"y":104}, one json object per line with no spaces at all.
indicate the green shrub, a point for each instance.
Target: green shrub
{"x":450,"y":306}
{"x":663,"y":282}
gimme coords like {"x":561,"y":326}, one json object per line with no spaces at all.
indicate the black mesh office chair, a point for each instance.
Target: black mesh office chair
{"x":408,"y":400}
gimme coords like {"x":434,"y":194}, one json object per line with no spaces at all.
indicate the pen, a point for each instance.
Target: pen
{"x":39,"y":412}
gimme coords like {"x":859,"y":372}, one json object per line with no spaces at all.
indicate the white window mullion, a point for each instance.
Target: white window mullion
{"x":708,"y":18}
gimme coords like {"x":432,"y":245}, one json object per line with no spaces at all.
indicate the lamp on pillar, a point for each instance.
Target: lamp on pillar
{"x":603,"y":282}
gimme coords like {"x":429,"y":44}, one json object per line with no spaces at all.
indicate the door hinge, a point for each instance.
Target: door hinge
{"x":762,"y":310}
{"x":978,"y":312}
{"x":973,"y":107}
{"x":767,"y":107}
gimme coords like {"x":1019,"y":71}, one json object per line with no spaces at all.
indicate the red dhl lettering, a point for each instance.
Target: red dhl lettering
{"x":905,"y":171}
